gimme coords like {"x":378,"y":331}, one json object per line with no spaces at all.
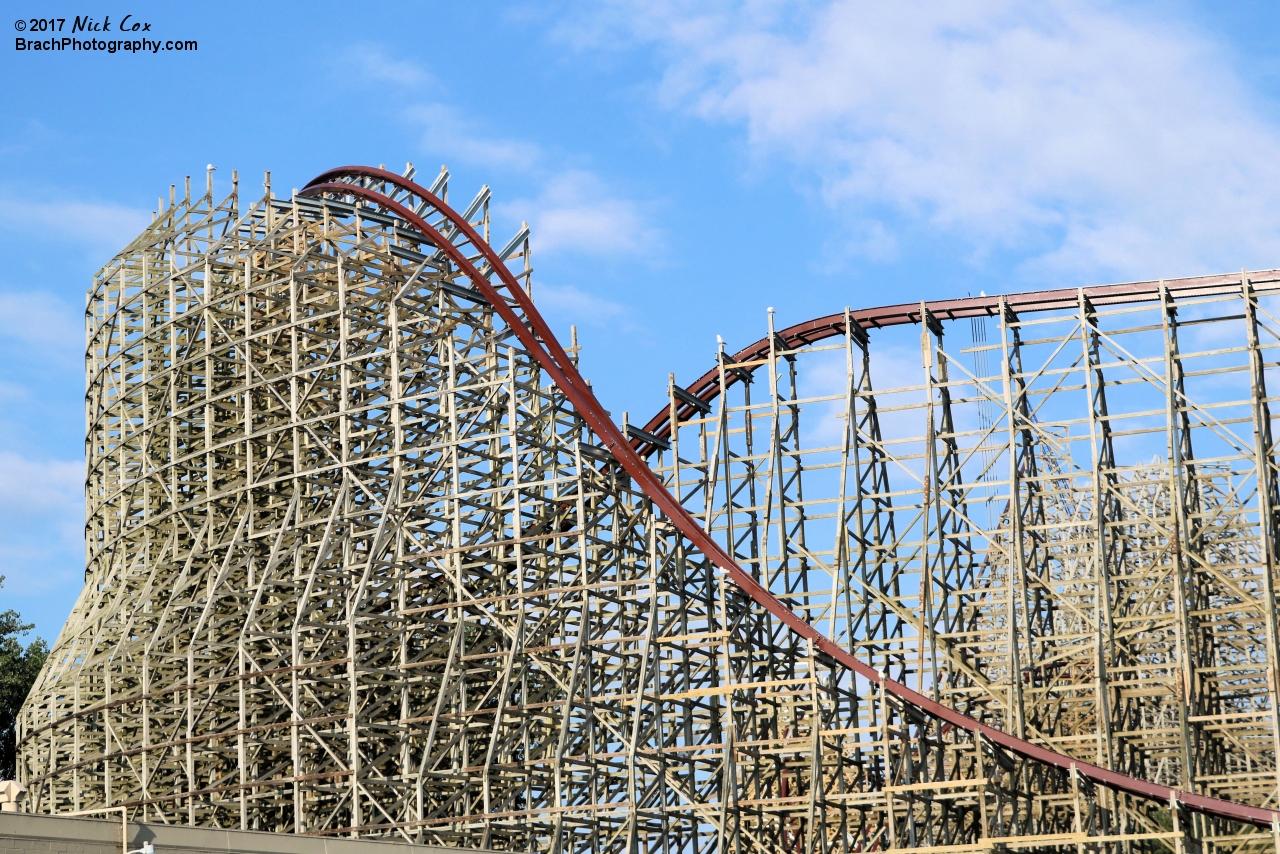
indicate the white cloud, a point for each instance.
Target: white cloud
{"x":38,"y":328}
{"x":102,"y":228}
{"x":870,"y":239}
{"x":374,"y":63}
{"x":41,"y":485}
{"x":576,"y":212}
{"x":42,"y":539}
{"x":578,"y":305}
{"x":1087,"y":139}
{"x":41,"y":320}
{"x":448,"y":133}
{"x":573,"y":209}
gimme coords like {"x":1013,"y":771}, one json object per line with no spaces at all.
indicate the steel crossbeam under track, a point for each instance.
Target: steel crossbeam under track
{"x":366,"y":557}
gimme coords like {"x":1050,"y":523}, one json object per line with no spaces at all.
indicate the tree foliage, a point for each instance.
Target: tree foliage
{"x":19,"y":667}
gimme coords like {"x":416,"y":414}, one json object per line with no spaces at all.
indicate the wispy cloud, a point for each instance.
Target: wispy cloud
{"x":1084,"y":138}
{"x":579,"y":306}
{"x":102,"y":228}
{"x":576,"y":212}
{"x":43,"y":504}
{"x":573,"y":209}
{"x":447,"y":132}
{"x":41,"y":486}
{"x":372,"y":62}
{"x":42,"y":321}
{"x":38,"y":328}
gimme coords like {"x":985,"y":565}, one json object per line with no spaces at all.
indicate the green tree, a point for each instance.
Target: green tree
{"x":19,"y":667}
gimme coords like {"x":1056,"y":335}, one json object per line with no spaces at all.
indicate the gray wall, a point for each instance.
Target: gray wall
{"x":48,"y":834}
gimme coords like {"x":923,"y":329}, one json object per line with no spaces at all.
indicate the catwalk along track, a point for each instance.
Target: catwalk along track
{"x":367,"y":557}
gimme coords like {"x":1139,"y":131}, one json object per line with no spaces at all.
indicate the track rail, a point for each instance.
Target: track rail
{"x":517,"y":310}
{"x":707,"y":387}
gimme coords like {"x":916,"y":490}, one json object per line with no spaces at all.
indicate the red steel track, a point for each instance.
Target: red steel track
{"x":707,"y":386}
{"x":536,"y":336}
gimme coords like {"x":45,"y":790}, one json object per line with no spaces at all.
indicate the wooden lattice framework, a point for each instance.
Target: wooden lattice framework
{"x":363,"y":560}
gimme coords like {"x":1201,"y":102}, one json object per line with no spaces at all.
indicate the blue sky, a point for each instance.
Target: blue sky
{"x":683,"y":167}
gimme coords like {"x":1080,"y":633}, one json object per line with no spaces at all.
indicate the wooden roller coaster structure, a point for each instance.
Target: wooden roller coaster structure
{"x":366,"y":557}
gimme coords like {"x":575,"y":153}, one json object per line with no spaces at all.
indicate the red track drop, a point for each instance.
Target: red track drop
{"x":536,"y":336}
